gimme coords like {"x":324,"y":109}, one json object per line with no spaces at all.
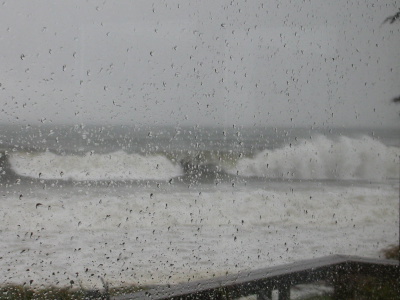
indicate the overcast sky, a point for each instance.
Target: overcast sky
{"x":275,"y":63}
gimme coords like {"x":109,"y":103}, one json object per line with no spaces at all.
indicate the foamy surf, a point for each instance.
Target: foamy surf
{"x":318,"y":158}
{"x":179,"y":233}
{"x":323,"y":158}
{"x":113,"y":166}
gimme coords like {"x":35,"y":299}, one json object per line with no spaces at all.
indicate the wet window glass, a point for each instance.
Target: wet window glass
{"x":159,"y":142}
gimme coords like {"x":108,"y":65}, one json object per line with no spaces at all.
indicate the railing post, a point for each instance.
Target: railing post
{"x":264,"y":294}
{"x":284,"y":291}
{"x":342,"y":286}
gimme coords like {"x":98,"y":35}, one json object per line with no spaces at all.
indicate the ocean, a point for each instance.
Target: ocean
{"x":155,"y":205}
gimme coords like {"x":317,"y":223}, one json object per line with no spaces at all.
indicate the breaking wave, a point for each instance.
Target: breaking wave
{"x":316,"y":158}
{"x":323,"y":158}
{"x":114,"y":166}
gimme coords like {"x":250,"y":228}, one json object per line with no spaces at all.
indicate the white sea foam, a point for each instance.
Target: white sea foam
{"x":323,"y":158}
{"x":247,"y":208}
{"x":132,"y":237}
{"x":113,"y":166}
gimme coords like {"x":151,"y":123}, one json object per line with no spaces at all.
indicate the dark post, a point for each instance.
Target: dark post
{"x":342,"y":287}
{"x":264,"y":295}
{"x":284,"y":291}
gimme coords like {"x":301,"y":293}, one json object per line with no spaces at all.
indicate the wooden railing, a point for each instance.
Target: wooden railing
{"x":334,"y":269}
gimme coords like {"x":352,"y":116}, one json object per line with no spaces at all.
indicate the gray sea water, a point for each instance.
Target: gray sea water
{"x":141,"y":205}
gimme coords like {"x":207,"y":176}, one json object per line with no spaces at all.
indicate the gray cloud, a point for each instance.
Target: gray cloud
{"x":209,"y":63}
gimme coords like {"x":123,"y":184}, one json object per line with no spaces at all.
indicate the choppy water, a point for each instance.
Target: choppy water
{"x":158,"y":205}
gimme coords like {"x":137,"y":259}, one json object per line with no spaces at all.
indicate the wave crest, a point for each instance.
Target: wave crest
{"x":113,"y":166}
{"x":322,"y":158}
